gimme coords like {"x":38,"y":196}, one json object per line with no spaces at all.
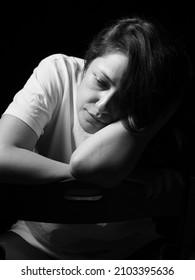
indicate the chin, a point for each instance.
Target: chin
{"x":88,"y":125}
{"x":90,"y":129}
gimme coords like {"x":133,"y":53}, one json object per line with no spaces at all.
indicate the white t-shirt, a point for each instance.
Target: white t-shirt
{"x":47,"y":105}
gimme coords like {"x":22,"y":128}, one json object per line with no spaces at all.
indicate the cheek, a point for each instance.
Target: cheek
{"x":80,"y":96}
{"x":84,"y":96}
{"x":114,"y":111}
{"x":82,"y":100}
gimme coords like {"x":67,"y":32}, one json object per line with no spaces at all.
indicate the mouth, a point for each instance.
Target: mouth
{"x":97,"y":119}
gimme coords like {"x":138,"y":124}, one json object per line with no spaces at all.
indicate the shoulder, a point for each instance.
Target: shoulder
{"x":61,"y":67}
{"x":60,"y":61}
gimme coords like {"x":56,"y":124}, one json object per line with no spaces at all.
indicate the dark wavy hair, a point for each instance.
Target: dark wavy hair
{"x":157,"y":71}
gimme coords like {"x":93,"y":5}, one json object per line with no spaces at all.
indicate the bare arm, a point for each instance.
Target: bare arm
{"x":108,"y":156}
{"x":105,"y":159}
{"x":18,"y":162}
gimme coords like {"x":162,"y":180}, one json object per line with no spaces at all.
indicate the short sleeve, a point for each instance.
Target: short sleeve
{"x":37,"y":101}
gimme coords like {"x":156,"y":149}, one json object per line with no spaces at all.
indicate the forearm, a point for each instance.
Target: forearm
{"x":108,"y":156}
{"x":22,"y":166}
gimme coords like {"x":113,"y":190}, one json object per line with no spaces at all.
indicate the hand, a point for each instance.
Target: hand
{"x":156,"y":181}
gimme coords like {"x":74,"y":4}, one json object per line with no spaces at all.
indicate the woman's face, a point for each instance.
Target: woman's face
{"x":97,"y":104}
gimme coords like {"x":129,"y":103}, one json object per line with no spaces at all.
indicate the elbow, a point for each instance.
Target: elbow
{"x":3,"y":160}
{"x":2,"y":156}
{"x":76,"y":167}
{"x":84,"y":172}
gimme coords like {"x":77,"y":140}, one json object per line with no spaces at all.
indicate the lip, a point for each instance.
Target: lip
{"x":97,"y":119}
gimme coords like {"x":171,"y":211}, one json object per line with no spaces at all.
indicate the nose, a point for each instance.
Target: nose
{"x":104,"y":102}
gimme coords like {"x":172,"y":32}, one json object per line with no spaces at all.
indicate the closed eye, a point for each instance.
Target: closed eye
{"x":101,"y":82}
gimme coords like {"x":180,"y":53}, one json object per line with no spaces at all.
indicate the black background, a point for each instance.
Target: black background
{"x":31,"y":31}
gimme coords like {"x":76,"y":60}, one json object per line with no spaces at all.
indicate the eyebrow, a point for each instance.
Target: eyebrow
{"x":107,"y":77}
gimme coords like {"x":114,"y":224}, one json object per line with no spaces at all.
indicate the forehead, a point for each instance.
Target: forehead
{"x":112,"y":65}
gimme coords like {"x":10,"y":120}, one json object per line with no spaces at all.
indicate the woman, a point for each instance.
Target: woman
{"x":91,"y":120}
